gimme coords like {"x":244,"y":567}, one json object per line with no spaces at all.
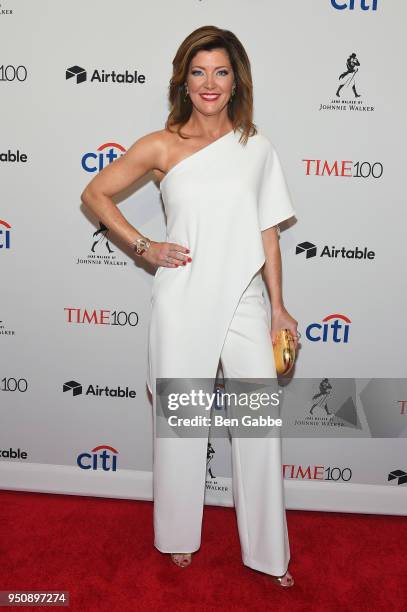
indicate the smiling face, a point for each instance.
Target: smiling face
{"x":210,"y":80}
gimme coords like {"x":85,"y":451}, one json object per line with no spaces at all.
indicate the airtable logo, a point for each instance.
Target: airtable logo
{"x":73,"y":386}
{"x":101,"y":76}
{"x":97,"y":391}
{"x":77,"y":72}
{"x":13,"y":157}
{"x":337,"y":330}
{"x":332,"y":252}
{"x":105,"y":154}
{"x":399,"y":476}
{"x":100,"y":457}
{"x":11,"y":453}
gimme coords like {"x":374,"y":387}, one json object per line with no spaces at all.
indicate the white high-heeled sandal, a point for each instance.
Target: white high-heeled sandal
{"x":279,"y":580}
{"x":181,"y":559}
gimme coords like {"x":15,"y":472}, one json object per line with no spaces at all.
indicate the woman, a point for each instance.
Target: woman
{"x":224,"y":194}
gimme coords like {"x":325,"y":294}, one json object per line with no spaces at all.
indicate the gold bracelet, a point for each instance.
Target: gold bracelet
{"x":141,"y":245}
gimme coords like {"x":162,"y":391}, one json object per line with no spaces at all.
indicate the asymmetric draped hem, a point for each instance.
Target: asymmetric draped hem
{"x":217,"y":202}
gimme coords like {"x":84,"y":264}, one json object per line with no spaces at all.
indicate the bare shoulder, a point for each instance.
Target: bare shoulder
{"x":154,"y":148}
{"x":150,"y":144}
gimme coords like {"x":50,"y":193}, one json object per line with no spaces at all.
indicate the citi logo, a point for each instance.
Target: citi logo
{"x":79,"y":74}
{"x":334,"y":327}
{"x":332,"y":252}
{"x":104,"y":155}
{"x":4,"y":234}
{"x":399,"y":476}
{"x":99,"y":458}
{"x":77,"y":389}
{"x":364,"y":5}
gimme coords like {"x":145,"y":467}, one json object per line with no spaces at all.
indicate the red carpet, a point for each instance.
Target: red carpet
{"x":101,"y":551}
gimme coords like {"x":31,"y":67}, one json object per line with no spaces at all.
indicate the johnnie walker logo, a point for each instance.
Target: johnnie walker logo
{"x":101,"y":250}
{"x":348,"y":95}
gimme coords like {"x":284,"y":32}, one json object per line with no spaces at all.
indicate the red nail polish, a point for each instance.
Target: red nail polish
{"x":189,"y":259}
{"x":184,"y":263}
{"x":188,"y":251}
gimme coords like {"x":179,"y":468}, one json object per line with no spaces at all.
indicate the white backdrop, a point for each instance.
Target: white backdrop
{"x":75,"y":306}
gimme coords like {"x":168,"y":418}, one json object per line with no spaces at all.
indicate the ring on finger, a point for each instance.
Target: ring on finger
{"x":168,"y":259}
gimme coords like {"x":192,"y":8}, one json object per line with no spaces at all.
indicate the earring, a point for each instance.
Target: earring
{"x":186,"y":94}
{"x":232,"y":94}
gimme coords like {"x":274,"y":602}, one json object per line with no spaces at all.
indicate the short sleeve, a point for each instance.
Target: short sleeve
{"x":274,"y":204}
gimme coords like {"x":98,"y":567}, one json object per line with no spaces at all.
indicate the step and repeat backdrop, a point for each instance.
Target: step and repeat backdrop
{"x":80,"y":82}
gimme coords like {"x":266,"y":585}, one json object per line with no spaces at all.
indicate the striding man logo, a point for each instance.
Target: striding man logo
{"x":100,"y":236}
{"x":209,"y":456}
{"x":321,"y":399}
{"x":348,"y":78}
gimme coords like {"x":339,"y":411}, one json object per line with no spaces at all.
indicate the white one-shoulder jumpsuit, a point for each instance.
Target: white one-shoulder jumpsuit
{"x":217,"y":202}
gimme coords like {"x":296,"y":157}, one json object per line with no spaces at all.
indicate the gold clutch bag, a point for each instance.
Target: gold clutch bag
{"x":284,"y":351}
